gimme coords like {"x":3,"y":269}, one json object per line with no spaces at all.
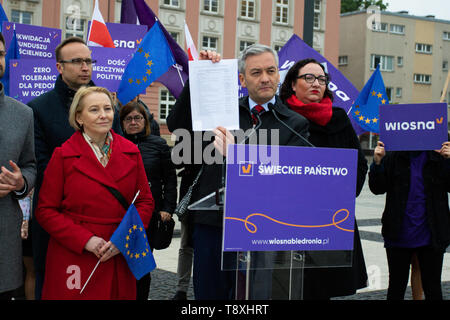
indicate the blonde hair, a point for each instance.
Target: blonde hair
{"x":76,"y":106}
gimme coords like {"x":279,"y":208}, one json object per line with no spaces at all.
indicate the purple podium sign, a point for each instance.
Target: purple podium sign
{"x":408,"y":127}
{"x":29,"y":78}
{"x":304,"y":200}
{"x":34,"y":42}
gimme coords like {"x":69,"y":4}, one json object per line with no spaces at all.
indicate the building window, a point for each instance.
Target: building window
{"x":210,"y":43}
{"x":446,"y":35}
{"x":424,"y":48}
{"x":248,"y":9}
{"x":444,"y":65}
{"x":397,"y":29}
{"x":422,"y":78}
{"x":243,"y":44}
{"x":399,"y":61}
{"x":75,"y":27}
{"x":278,"y":47}
{"x":166,"y":102}
{"x":386,"y":62}
{"x":389,"y":93}
{"x":343,"y":60}
{"x":398,"y":92}
{"x":211,"y":6}
{"x":282,"y":11}
{"x":172,"y":3}
{"x":24,"y":17}
{"x":379,"y":27}
{"x":317,"y":13}
{"x":176,"y":36}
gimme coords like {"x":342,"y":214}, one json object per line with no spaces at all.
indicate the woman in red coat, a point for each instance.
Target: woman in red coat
{"x":80,"y":213}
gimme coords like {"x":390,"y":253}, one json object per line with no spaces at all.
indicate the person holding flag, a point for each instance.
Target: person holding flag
{"x":81,"y":208}
{"x":305,"y":91}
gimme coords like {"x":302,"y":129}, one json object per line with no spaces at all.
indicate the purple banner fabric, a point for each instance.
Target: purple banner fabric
{"x":34,"y":42}
{"x":110,"y":66}
{"x":408,"y":127}
{"x":128,"y":12}
{"x":125,"y":36}
{"x":300,"y":199}
{"x":31,"y":77}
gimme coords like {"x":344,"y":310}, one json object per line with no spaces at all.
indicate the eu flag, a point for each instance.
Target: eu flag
{"x":131,"y":239}
{"x":3,"y":17}
{"x":12,"y":53}
{"x":151,"y":60}
{"x":366,"y":109}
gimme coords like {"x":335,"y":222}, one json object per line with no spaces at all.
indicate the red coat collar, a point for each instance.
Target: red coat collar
{"x":119,"y":166}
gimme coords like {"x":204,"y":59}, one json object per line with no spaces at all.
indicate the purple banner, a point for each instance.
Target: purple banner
{"x":296,"y":198}
{"x":34,"y":42}
{"x":110,"y":66}
{"x":408,"y":127}
{"x":125,"y":36}
{"x":29,"y":78}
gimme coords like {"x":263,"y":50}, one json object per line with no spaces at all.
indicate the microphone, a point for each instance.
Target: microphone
{"x":272,"y":109}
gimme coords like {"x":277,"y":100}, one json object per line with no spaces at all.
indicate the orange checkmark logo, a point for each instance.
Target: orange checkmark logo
{"x":439,"y":121}
{"x":245,"y":169}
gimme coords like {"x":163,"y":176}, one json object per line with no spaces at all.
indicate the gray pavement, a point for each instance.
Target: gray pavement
{"x":368,"y":213}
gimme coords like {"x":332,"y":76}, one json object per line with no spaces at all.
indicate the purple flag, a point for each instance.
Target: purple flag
{"x":128,"y":12}
{"x":177,"y":75}
{"x":343,"y":90}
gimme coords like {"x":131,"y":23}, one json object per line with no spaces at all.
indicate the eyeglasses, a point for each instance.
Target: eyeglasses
{"x":2,"y":53}
{"x":79,"y":61}
{"x":310,"y":78}
{"x":135,"y":118}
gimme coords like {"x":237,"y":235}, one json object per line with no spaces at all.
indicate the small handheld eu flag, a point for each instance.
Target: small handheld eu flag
{"x":366,"y":109}
{"x":131,"y":239}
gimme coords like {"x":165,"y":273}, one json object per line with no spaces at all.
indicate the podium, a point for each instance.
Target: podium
{"x":284,"y":215}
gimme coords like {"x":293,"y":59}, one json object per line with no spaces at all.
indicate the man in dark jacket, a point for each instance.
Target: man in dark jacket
{"x":51,"y":127}
{"x":258,"y":68}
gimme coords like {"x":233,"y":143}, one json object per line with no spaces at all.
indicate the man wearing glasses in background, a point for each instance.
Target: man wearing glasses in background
{"x":52,"y":129}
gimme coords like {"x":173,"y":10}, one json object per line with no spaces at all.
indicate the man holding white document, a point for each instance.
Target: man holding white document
{"x":261,"y":110}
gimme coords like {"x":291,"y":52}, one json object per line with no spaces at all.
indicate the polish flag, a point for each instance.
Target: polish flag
{"x":192,"y":51}
{"x":98,"y":34}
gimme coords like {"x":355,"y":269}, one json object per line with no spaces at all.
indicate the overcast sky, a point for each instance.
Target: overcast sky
{"x":439,"y":8}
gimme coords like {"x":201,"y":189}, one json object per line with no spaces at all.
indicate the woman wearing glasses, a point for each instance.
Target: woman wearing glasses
{"x":159,"y":168}
{"x":305,"y":91}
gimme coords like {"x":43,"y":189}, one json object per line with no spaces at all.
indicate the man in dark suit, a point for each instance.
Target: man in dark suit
{"x":51,"y":127}
{"x":258,"y":72}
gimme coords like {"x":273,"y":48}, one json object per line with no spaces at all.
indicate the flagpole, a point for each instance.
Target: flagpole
{"x":95,"y":268}
{"x":444,"y":92}
{"x":136,"y":196}
{"x":179,"y":73}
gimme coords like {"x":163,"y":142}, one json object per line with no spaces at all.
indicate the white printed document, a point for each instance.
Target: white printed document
{"x":214,"y":94}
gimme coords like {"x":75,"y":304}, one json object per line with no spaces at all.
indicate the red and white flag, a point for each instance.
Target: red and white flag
{"x":98,"y":34}
{"x":192,"y":51}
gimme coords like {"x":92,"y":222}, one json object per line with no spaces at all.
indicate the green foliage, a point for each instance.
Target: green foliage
{"x":355,"y":5}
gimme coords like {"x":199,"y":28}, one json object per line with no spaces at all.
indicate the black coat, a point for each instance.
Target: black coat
{"x":159,"y":168}
{"x":211,"y":178}
{"x":392,"y":177}
{"x":51,"y":130}
{"x":338,"y":281}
